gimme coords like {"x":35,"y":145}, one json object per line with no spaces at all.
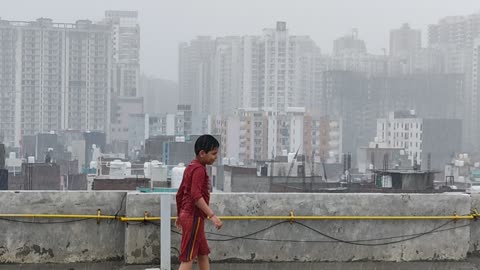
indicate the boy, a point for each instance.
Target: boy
{"x":193,"y":199}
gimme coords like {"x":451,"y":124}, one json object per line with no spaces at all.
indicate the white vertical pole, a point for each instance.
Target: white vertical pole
{"x":165,"y":237}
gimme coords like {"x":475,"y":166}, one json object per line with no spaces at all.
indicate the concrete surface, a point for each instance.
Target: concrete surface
{"x":81,"y":241}
{"x":452,"y":244}
{"x":139,"y":243}
{"x":470,"y":264}
{"x":474,"y":248}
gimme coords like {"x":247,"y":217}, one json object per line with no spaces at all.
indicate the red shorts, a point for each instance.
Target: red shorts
{"x":194,"y":242}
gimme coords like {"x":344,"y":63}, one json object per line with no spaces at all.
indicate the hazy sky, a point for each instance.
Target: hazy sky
{"x":166,"y":23}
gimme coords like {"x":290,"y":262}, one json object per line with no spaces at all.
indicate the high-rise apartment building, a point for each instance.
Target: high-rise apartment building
{"x":126,"y":51}
{"x":288,"y":69}
{"x":273,"y":71}
{"x":347,"y":100}
{"x":473,"y":104}
{"x":258,"y":88}
{"x":278,"y":91}
{"x":454,"y":31}
{"x":53,"y":76}
{"x":253,"y":67}
{"x":195,"y":73}
{"x":227,"y":76}
{"x":455,"y":36}
{"x":427,"y":142}
{"x":349,"y":44}
{"x":404,"y":41}
{"x":350,"y":54}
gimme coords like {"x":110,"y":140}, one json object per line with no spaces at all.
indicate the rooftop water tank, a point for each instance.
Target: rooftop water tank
{"x":459,"y":163}
{"x":158,"y":171}
{"x":177,"y":175}
{"x":117,"y":169}
{"x":146,"y":170}
{"x":225,"y":161}
{"x":233,"y":161}
{"x":93,"y":164}
{"x":128,"y":169}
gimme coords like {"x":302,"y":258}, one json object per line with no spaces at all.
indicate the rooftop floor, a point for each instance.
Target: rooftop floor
{"x":469,"y":264}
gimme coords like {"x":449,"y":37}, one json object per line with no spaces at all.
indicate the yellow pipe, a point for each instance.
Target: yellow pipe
{"x":319,"y":218}
{"x":142,"y":218}
{"x":290,"y":217}
{"x":56,"y":216}
{"x":343,"y":217}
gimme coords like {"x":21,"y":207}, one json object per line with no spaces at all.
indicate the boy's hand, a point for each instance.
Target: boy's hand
{"x":178,"y":224}
{"x":217,"y":222}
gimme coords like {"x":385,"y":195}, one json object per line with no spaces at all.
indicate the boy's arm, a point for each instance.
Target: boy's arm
{"x":198,"y":179}
{"x":179,"y":198}
{"x":200,"y":203}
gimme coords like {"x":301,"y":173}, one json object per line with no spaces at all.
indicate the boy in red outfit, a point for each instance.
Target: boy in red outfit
{"x":193,"y":199}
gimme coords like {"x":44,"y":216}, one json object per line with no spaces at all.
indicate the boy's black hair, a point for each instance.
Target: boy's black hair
{"x":206,"y":143}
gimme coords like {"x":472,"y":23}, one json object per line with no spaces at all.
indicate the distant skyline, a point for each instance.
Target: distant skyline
{"x":164,"y":24}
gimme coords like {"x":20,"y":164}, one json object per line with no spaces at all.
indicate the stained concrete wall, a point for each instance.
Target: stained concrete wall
{"x":475,"y":228}
{"x":139,"y":243}
{"x":50,"y":242}
{"x":143,"y":244}
{"x":445,"y":245}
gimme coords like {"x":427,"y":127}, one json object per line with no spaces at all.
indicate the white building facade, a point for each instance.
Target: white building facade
{"x":126,"y":51}
{"x":402,"y":130}
{"x":54,"y":76}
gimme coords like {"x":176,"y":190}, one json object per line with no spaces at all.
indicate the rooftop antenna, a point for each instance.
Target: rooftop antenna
{"x":372,"y":159}
{"x":385,"y":161}
{"x":313,"y":162}
{"x":313,"y":170}
{"x":429,"y":161}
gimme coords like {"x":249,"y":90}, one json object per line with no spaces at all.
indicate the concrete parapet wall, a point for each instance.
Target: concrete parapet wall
{"x":53,"y":242}
{"x":447,"y":244}
{"x":139,"y":243}
{"x":143,"y":244}
{"x":475,"y":228}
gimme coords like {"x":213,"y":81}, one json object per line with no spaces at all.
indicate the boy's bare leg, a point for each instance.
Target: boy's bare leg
{"x":186,"y":265}
{"x":203,"y":262}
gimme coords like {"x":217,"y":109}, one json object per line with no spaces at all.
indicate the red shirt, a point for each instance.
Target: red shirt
{"x":195,"y":185}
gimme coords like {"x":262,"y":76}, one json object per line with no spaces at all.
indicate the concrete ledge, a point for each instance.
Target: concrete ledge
{"x":80,"y":241}
{"x":139,"y":243}
{"x":474,"y":248}
{"x":469,"y":264}
{"x":445,"y":245}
